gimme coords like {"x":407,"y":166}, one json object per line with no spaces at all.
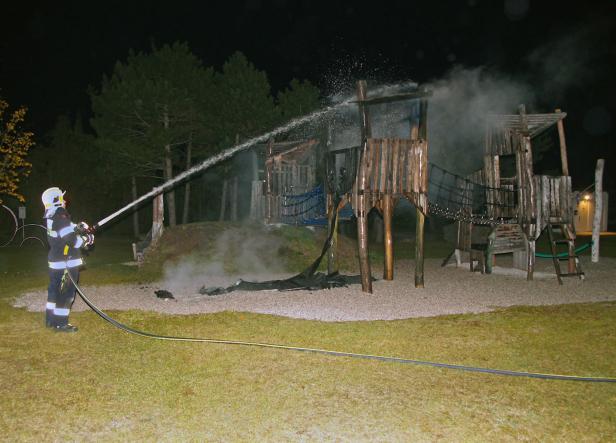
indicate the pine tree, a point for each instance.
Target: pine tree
{"x":149,"y":109}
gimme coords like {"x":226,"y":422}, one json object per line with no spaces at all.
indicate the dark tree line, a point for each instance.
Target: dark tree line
{"x":157,"y":114}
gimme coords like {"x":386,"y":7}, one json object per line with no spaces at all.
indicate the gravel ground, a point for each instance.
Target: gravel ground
{"x":448,"y":290}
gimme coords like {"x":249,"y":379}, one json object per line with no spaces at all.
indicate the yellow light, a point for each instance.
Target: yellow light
{"x":587,"y":197}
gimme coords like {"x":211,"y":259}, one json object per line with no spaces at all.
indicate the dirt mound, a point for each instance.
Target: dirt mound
{"x":241,"y":247}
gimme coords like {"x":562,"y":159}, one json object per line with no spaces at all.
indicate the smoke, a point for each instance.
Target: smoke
{"x":571,"y":60}
{"x":459,"y":109}
{"x":245,"y":251}
{"x":464,"y":98}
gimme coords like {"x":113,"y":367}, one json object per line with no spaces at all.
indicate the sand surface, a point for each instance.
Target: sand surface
{"x":448,"y":290}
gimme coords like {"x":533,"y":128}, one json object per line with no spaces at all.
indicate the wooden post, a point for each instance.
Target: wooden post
{"x":269,"y":165}
{"x":532,"y":229}
{"x":234,"y":197}
{"x":362,"y":210}
{"x":419,"y":249}
{"x":158,"y":216}
{"x":234,"y":190}
{"x":563,"y":146}
{"x":569,"y":234}
{"x":388,"y":270}
{"x":423,"y":119}
{"x":596,"y":221}
{"x":256,"y":188}
{"x":168,"y":174}
{"x":186,"y":208}
{"x":223,"y":200}
{"x":135,"y":212}
{"x":332,"y":253}
{"x":531,"y":260}
{"x":421,"y":218}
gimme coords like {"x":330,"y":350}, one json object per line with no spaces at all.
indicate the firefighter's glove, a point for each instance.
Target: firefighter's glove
{"x":82,"y":228}
{"x":88,"y":240}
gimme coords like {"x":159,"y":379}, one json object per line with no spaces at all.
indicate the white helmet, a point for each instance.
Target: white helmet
{"x":53,"y":198}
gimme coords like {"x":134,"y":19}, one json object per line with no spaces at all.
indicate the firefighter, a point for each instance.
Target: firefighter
{"x":66,"y":240}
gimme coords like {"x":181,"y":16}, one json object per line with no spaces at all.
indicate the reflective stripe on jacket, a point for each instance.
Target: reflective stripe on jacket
{"x":64,"y":243}
{"x":65,"y":264}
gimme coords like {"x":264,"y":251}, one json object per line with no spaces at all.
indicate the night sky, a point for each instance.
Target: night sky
{"x":50,"y":52}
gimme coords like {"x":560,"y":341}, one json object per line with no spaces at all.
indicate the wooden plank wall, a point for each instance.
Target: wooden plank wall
{"x":553,"y":201}
{"x":396,"y":167}
{"x":500,"y":141}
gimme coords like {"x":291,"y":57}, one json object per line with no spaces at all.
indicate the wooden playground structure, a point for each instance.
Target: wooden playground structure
{"x":387,"y":169}
{"x":501,"y":208}
{"x":521,"y":204}
{"x":290,"y":169}
{"x":515,"y":205}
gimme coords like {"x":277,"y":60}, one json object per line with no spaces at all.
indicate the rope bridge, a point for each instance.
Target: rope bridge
{"x":449,"y":195}
{"x":455,"y":197}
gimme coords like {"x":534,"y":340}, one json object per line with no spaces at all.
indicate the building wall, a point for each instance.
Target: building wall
{"x":585,"y":212}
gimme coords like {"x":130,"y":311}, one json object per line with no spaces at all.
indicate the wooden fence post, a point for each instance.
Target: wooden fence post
{"x":421,"y":218}
{"x":388,"y":270}
{"x":596,"y":221}
{"x":135,"y":212}
{"x":362,"y":210}
{"x":269,"y":166}
{"x":563,"y":146}
{"x":332,"y":253}
{"x":223,"y":200}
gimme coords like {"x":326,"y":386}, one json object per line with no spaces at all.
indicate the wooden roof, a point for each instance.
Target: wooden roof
{"x":534,"y":124}
{"x":291,"y":150}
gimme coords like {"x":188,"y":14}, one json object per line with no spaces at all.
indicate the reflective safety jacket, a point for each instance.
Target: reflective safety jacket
{"x":64,"y":243}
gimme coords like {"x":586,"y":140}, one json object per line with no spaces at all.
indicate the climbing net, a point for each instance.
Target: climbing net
{"x":306,"y":208}
{"x":458,"y":198}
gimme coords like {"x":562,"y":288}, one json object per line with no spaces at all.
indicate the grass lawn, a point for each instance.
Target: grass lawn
{"x":103,"y":384}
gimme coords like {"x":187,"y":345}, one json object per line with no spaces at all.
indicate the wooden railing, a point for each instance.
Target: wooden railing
{"x":396,"y":167}
{"x":553,"y":204}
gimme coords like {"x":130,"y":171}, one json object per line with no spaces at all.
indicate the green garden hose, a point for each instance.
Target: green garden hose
{"x":564,"y":254}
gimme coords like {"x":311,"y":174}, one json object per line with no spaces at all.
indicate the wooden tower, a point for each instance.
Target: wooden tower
{"x":541,"y":202}
{"x":388,"y":169}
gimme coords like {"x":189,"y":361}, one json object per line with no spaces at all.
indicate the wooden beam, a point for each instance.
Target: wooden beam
{"x":269,"y":178}
{"x":531,"y":260}
{"x":419,"y":249}
{"x":388,"y":270}
{"x":332,"y":253}
{"x":523,"y":118}
{"x":563,"y":146}
{"x":423,"y":119}
{"x":158,"y":217}
{"x":133,"y":182}
{"x":397,"y":97}
{"x":362,"y":209}
{"x":421,"y":218}
{"x":596,"y":221}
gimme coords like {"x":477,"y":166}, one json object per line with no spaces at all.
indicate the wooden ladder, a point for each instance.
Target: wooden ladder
{"x":574,"y":269}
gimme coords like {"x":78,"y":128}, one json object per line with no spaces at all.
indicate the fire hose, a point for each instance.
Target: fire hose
{"x":227,"y":154}
{"x":332,"y":353}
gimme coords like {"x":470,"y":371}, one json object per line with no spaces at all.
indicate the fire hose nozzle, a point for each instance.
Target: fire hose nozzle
{"x":84,"y":228}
